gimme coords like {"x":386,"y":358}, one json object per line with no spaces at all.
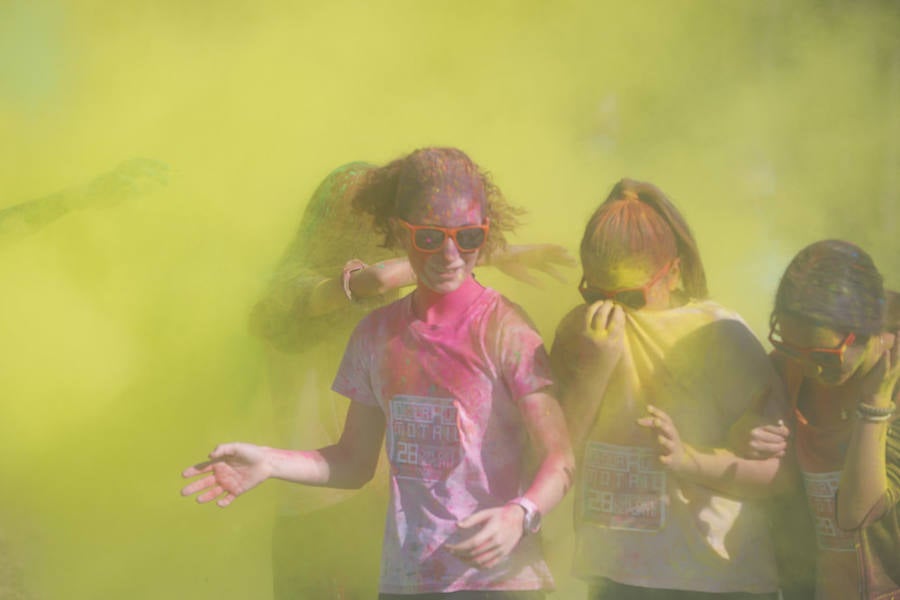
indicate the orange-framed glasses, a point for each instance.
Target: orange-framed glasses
{"x":431,"y":238}
{"x":634,"y":298}
{"x":827,"y":358}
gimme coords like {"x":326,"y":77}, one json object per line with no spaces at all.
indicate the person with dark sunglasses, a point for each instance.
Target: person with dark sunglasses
{"x":834,"y":333}
{"x":652,"y":376}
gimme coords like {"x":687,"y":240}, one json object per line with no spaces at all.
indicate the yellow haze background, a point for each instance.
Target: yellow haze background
{"x":125,"y":357}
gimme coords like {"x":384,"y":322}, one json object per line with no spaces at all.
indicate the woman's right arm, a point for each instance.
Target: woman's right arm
{"x":864,"y":480}
{"x":367,"y":281}
{"x":236,"y":468}
{"x":588,"y":345}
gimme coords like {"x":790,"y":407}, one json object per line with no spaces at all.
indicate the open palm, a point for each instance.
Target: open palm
{"x":232,"y":470}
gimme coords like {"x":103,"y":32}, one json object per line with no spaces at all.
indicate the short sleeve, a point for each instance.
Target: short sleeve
{"x":524,"y":363}
{"x":354,"y":379}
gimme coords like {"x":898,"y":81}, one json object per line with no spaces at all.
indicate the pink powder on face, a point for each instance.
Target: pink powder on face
{"x":443,"y":272}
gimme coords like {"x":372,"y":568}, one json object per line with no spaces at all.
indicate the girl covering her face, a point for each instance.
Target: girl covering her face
{"x":834,"y":332}
{"x":653,"y":375}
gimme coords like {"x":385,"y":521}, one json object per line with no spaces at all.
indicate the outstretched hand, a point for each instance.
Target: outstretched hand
{"x":232,"y":469}
{"x":130,"y":179}
{"x":501,"y":529}
{"x":520,"y":262}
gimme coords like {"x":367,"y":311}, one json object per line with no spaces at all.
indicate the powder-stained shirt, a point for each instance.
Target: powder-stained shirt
{"x":637,"y":523}
{"x":456,"y":440}
{"x":861,"y":563}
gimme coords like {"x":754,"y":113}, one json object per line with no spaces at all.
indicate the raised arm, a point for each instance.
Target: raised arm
{"x":521,"y":261}
{"x":588,"y":346}
{"x":864,"y":476}
{"x":130,"y":179}
{"x":236,"y":468}
{"x":360,"y":281}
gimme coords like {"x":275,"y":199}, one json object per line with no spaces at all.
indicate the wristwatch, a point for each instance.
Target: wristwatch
{"x":532,"y":521}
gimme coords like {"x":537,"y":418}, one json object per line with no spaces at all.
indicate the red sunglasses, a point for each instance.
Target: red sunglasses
{"x":431,"y":238}
{"x":634,"y":298}
{"x":826,"y":358}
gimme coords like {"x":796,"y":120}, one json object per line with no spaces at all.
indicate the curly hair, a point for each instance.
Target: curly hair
{"x":638,"y":220}
{"x":834,"y":283}
{"x":398,"y":188}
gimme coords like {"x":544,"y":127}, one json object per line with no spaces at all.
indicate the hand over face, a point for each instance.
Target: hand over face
{"x":599,"y":344}
{"x":880,"y":383}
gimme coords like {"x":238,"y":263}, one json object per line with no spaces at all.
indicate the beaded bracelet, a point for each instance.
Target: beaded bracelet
{"x":353,"y":265}
{"x":875,"y":414}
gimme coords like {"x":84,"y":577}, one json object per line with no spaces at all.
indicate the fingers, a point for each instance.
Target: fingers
{"x":223,"y":450}
{"x":616,"y":324}
{"x":200,"y":484}
{"x":226,"y":500}
{"x":521,"y":273}
{"x":760,"y":449}
{"x":771,"y":434}
{"x":893,"y":363}
{"x":210,"y":494}
{"x":204,"y":467}
{"x":605,"y":318}
{"x":553,"y":272}
{"x":475,"y":518}
{"x":599,"y":315}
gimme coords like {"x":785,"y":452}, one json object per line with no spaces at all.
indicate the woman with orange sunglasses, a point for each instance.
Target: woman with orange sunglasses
{"x":834,"y":330}
{"x":652,"y":376}
{"x":454,"y":382}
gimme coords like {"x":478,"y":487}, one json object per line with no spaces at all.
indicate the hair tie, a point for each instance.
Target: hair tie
{"x":630,"y":195}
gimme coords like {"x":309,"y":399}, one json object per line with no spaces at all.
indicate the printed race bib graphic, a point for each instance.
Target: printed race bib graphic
{"x":623,"y":487}
{"x":423,"y":439}
{"x":820,"y":490}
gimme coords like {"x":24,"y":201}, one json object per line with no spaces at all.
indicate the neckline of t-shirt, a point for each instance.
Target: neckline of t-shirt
{"x":418,"y":323}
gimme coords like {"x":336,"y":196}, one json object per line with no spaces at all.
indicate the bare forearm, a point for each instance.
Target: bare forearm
{"x":723,"y":471}
{"x":864,"y":476}
{"x":553,"y":480}
{"x":326,"y":467}
{"x":373,"y":280}
{"x":547,"y":428}
{"x":30,"y":216}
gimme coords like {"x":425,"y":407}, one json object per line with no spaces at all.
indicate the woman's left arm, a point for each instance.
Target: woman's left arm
{"x":864,"y":476}
{"x":503,"y":526}
{"x":716,"y":468}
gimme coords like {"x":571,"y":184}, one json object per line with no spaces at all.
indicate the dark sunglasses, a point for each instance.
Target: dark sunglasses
{"x":431,"y":238}
{"x":831,"y":359}
{"x":634,"y":298}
